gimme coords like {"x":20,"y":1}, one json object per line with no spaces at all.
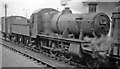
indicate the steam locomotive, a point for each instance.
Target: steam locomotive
{"x":73,"y":37}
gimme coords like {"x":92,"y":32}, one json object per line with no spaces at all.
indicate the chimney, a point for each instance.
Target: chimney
{"x":92,"y":7}
{"x":66,"y":11}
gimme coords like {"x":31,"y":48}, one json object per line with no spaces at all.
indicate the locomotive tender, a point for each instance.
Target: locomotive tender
{"x":63,"y":34}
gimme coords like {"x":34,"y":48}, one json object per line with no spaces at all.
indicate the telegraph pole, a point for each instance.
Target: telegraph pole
{"x":5,"y":6}
{"x":5,"y":10}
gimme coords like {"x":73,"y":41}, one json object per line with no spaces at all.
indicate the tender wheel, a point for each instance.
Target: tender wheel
{"x":53,"y":53}
{"x":68,"y":56}
{"x":38,"y":45}
{"x":14,"y":39}
{"x":20,"y":39}
{"x":41,"y":46}
{"x":52,"y":50}
{"x":91,"y":62}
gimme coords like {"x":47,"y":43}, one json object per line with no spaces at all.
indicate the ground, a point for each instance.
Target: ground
{"x":12,"y":59}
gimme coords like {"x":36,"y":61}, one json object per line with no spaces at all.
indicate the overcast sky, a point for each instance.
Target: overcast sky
{"x":20,"y":7}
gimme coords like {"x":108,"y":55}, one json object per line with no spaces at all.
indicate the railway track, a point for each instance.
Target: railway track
{"x":40,"y":58}
{"x":27,"y":55}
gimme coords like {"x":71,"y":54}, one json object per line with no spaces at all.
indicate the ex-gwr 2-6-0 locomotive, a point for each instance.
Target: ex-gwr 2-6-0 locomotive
{"x":62,"y":34}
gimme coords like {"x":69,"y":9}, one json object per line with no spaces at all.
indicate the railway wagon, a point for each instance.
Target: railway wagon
{"x":12,"y":20}
{"x":20,"y":25}
{"x":20,"y":29}
{"x":15,"y":26}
